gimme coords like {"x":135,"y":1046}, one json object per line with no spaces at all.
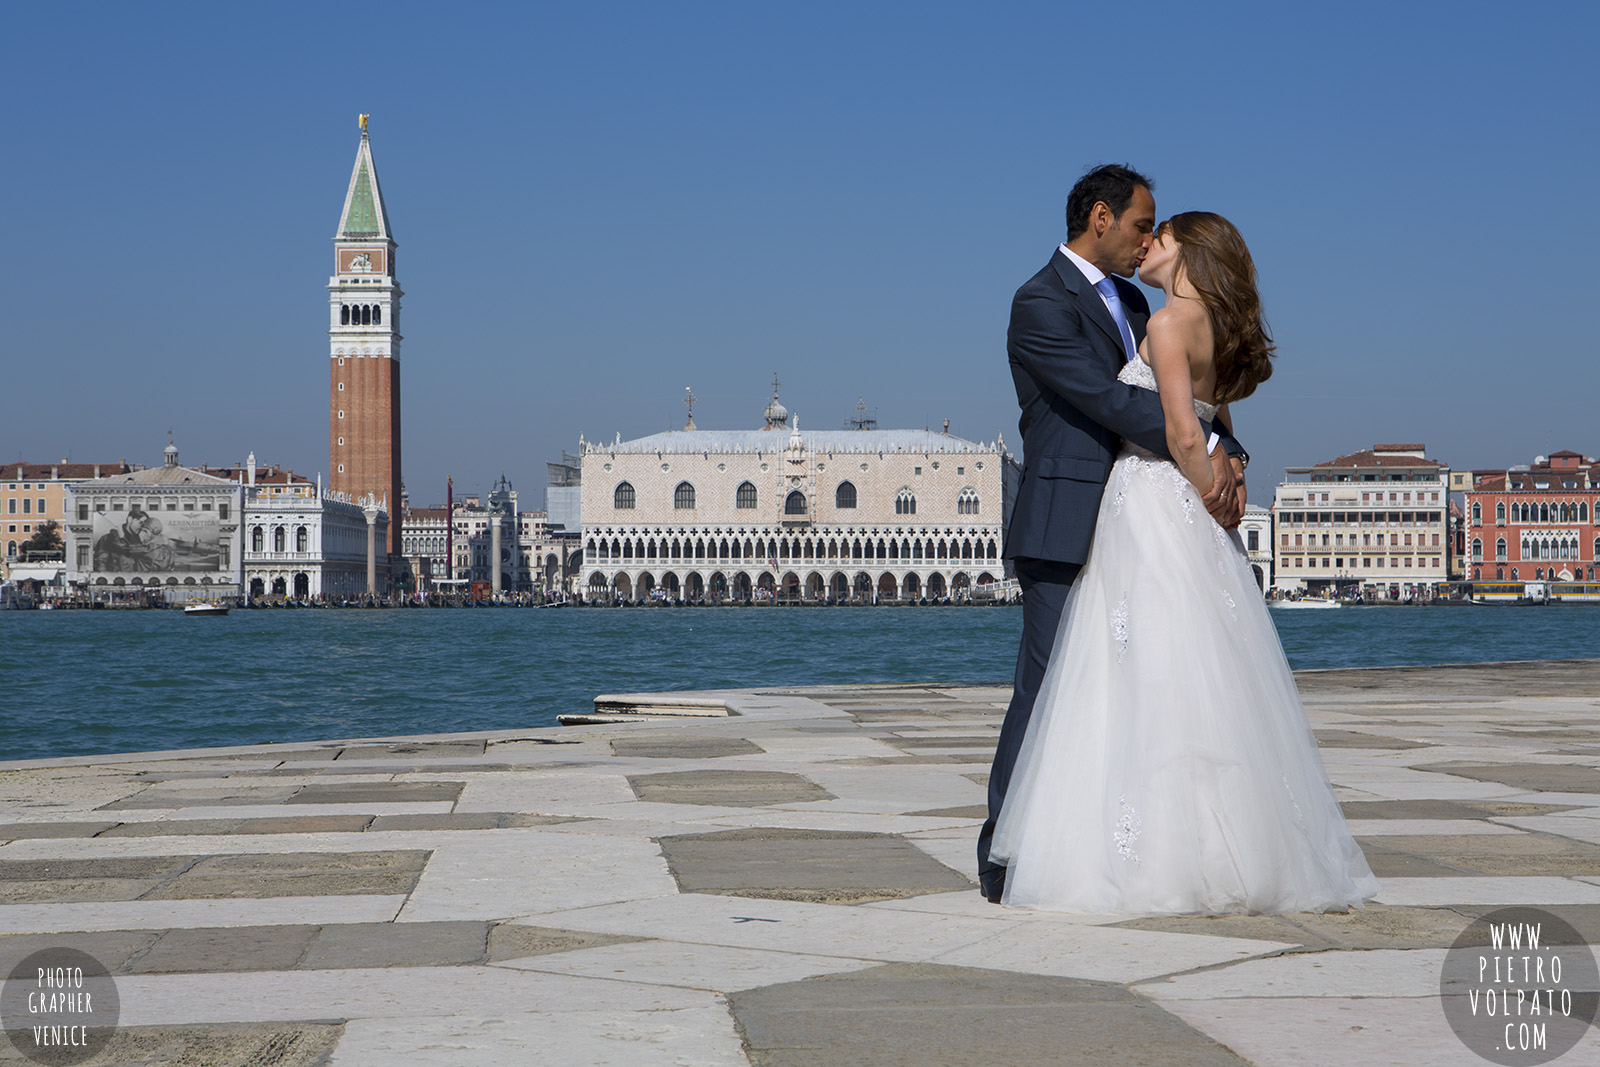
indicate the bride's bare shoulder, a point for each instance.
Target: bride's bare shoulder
{"x":1180,"y":324}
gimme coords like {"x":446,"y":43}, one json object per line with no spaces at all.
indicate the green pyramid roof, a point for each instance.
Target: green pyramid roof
{"x":365,"y":214}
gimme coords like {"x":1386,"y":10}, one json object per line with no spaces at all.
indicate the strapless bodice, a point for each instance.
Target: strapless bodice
{"x":1138,"y":372}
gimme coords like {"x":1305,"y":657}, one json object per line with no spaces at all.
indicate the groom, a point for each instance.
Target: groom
{"x":1073,"y":326}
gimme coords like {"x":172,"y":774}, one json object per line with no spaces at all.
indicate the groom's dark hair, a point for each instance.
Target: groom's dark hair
{"x":1111,"y":183}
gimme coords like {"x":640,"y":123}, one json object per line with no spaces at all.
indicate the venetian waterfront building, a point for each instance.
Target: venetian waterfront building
{"x":1373,"y":521}
{"x":304,"y":542}
{"x":861,"y":515}
{"x":364,"y":343}
{"x":1255,"y":530}
{"x":33,"y":494}
{"x":1536,"y":522}
{"x":169,"y":528}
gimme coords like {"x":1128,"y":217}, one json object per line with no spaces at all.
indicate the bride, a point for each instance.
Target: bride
{"x":1169,"y":767}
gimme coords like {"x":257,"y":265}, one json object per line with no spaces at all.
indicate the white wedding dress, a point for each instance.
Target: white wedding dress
{"x":1168,"y":766}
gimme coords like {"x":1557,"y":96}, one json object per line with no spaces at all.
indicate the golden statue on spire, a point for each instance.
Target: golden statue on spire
{"x":363,"y":121}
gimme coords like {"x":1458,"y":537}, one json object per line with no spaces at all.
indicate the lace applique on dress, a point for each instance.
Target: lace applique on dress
{"x":1119,"y":627}
{"x":1129,"y":826}
{"x":1233,"y":609}
{"x":1299,"y":817}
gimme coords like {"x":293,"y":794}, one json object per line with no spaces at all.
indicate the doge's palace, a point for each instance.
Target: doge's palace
{"x":835,"y":515}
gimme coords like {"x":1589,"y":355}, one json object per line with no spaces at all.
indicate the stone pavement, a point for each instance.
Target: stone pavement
{"x":782,"y":879}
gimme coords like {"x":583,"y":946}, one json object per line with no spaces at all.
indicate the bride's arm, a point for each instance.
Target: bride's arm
{"x":1168,"y":343}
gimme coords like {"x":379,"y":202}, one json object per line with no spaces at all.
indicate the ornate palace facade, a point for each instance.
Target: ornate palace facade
{"x":865,"y":515}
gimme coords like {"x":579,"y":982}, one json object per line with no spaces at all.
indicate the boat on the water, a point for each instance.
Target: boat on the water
{"x":1307,"y":602}
{"x":206,"y":609}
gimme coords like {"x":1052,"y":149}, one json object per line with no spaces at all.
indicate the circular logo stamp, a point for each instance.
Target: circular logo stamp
{"x":59,"y":1006}
{"x":1519,"y":986}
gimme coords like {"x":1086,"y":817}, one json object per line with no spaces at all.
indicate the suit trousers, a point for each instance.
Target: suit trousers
{"x":1045,"y":585}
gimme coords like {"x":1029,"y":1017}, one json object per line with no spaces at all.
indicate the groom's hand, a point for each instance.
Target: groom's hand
{"x":1238,"y":474}
{"x":1225,"y":500}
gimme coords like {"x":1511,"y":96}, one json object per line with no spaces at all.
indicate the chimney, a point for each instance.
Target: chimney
{"x":97,"y":470}
{"x":947,"y":427}
{"x":53,"y":475}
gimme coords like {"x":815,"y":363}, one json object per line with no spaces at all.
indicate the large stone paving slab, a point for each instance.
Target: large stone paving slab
{"x":747,"y":789}
{"x":824,"y":866}
{"x":218,"y":1045}
{"x":916,"y":1014}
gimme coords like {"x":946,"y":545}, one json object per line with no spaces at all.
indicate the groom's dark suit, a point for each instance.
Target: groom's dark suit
{"x":1065,"y":351}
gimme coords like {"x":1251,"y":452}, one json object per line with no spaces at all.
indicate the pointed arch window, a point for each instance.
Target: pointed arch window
{"x":794,"y":503}
{"x":1477,"y":513}
{"x":845,"y":495}
{"x":905,"y":503}
{"x":683,"y":497}
{"x":1477,"y":548}
{"x":624,"y":497}
{"x":745,"y":497}
{"x":967,"y":502}
{"x":1500,"y":548}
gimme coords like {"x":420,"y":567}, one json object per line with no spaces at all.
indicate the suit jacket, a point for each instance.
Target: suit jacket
{"x":1065,"y":352}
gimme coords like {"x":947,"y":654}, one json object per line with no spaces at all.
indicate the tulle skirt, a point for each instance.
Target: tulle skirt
{"x":1168,"y":767}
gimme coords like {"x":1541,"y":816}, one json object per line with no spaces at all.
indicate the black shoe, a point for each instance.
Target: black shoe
{"x":993,"y":885}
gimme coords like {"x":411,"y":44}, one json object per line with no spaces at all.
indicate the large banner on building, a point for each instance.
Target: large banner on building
{"x":139,"y":542}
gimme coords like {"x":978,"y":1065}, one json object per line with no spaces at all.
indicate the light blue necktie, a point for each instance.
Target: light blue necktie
{"x":1108,"y":289}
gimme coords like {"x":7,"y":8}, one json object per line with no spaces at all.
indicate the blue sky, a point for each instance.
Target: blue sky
{"x":599,"y":205}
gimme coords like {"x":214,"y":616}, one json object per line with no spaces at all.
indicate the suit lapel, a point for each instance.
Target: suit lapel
{"x":1089,"y":300}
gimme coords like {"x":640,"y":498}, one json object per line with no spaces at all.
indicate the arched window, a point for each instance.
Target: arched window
{"x":377,"y":315}
{"x":256,"y":541}
{"x":344,"y":314}
{"x":1513,"y":574}
{"x":1500,"y":512}
{"x":11,"y":549}
{"x":746,"y":496}
{"x":967,"y":502}
{"x":277,"y":539}
{"x":794,"y":503}
{"x":844,"y":496}
{"x":1477,"y":548}
{"x":623,"y":498}
{"x":1500,"y":548}
{"x":905,"y":503}
{"x":683,"y":497}
{"x":302,"y":539}
{"x":1477,"y":513}
{"x":1597,"y":549}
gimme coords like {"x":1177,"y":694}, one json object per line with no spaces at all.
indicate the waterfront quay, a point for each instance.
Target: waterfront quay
{"x":771,"y":876}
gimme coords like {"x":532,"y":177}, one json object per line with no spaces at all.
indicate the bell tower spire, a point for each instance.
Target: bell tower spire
{"x":364,"y":342}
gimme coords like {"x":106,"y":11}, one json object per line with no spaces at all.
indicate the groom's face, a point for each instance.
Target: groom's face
{"x":1125,"y":244}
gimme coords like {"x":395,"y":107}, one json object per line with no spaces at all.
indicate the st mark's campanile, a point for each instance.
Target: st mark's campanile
{"x":364,"y":343}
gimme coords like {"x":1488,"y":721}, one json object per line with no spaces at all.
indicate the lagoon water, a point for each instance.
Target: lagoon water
{"x":79,"y":682}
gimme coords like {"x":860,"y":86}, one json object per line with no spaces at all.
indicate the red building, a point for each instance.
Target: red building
{"x":1539,"y":522}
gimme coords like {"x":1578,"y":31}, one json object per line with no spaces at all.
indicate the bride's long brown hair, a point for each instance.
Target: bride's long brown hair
{"x":1217,"y":263}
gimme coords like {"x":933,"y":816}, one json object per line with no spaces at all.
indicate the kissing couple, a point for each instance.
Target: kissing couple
{"x":1155,"y":758}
